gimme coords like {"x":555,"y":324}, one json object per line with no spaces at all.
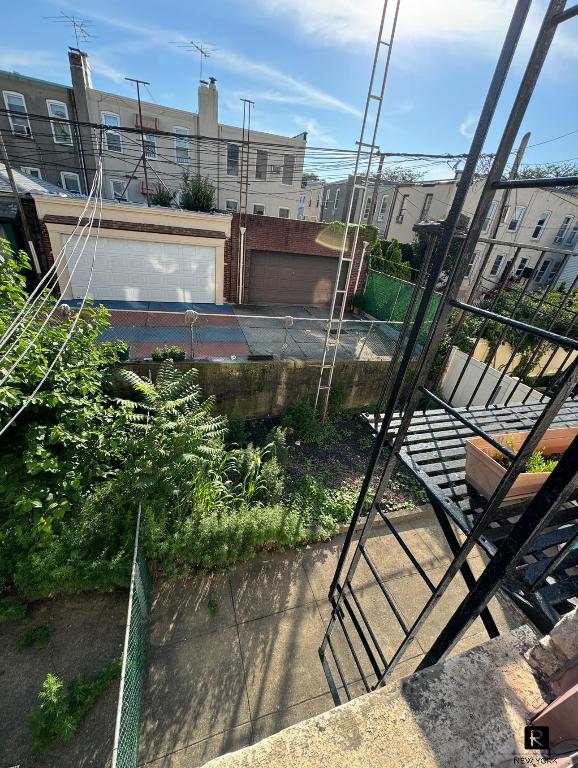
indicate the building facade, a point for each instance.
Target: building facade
{"x":175,"y":141}
{"x":37,"y":142}
{"x":329,"y":201}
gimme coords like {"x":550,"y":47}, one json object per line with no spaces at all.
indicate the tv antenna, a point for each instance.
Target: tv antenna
{"x":205,"y":51}
{"x":79,"y":26}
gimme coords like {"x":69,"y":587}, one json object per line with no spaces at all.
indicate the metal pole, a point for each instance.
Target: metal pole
{"x":144,"y":159}
{"x":365,"y":244}
{"x":20,"y":207}
{"x":373,"y":206}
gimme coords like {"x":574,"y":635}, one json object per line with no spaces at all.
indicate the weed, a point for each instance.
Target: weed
{"x":213,"y":606}
{"x":38,"y":636}
{"x":61,"y":710}
{"x":11,"y":611}
{"x":237,"y":432}
{"x":365,"y":442}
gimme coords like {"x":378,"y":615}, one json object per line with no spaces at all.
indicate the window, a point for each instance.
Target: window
{"x":259,"y":209}
{"x":17,"y":113}
{"x":117,"y":188}
{"x":516,"y":218}
{"x":150,"y":145}
{"x":284,"y":213}
{"x":570,"y":239}
{"x":426,"y":206}
{"x":521,"y":267}
{"x":261,"y":165}
{"x":540,"y":224}
{"x":34,"y":172}
{"x":70,"y":181}
{"x":232,"y":160}
{"x":181,"y":145}
{"x":337,"y":192}
{"x":382,"y":207}
{"x":542,"y":271}
{"x":288,"y":169}
{"x":367,"y":207}
{"x":496,"y":265}
{"x":112,"y":138}
{"x":564,"y":227}
{"x":471,"y":264}
{"x":62,"y":132}
{"x":490,"y":216}
{"x":231,"y":205}
{"x":402,"y":208}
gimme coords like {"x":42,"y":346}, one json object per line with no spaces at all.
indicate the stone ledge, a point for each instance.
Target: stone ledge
{"x":468,"y":710}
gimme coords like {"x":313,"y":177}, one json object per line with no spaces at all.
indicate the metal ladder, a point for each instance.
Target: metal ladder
{"x":365,"y":153}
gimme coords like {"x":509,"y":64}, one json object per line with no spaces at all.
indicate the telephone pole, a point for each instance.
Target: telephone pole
{"x":144,"y":158}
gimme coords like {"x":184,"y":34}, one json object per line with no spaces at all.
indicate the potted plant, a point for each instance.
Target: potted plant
{"x":168,"y":353}
{"x":486,"y":466}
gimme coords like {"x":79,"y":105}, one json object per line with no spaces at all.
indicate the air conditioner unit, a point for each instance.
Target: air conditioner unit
{"x":275,"y":168}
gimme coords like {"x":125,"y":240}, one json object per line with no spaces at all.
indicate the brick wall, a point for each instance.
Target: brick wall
{"x":266,"y":233}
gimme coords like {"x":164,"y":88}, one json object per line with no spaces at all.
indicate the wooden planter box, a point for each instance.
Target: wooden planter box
{"x":485,"y":473}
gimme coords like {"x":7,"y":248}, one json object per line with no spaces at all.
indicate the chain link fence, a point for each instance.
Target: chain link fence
{"x":134,"y":662}
{"x":239,"y":335}
{"x":387,"y":298}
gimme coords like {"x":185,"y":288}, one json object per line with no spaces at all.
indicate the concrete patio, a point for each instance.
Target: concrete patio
{"x":234,"y":655}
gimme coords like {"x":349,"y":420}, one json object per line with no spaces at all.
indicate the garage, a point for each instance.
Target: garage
{"x":288,"y":278}
{"x":139,"y":270}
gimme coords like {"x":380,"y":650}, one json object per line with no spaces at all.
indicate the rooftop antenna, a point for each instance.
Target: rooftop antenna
{"x":79,"y":26}
{"x":205,"y":51}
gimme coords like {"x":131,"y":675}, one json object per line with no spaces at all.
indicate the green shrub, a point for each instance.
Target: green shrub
{"x":38,"y":636}
{"x":303,"y":419}
{"x":277,"y":441}
{"x":237,"y":432}
{"x":197,"y":193}
{"x":11,"y":611}
{"x":162,"y":196}
{"x":61,"y":711}
{"x":323,"y":508}
{"x":168,"y":353}
{"x":273,"y":481}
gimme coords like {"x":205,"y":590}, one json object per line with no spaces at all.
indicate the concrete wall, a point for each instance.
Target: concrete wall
{"x":473,"y":373}
{"x":256,"y":390}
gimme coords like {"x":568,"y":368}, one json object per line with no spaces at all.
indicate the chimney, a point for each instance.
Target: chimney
{"x":208,"y":107}
{"x":80,"y":67}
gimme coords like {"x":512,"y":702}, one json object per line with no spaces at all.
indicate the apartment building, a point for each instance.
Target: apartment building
{"x":544,"y":219}
{"x":174,"y":141}
{"x":44,"y":147}
{"x":329,"y":201}
{"x":413,"y":202}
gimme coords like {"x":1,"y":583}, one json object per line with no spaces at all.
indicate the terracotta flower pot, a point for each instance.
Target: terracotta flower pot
{"x":485,"y":473}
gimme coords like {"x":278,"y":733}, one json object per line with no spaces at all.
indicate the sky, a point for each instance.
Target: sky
{"x":306,"y":65}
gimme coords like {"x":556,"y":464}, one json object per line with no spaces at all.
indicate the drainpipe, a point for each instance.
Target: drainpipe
{"x":242,"y":231}
{"x":365,"y":244}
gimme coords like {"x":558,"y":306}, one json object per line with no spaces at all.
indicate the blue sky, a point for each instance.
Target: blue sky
{"x":306,"y":65}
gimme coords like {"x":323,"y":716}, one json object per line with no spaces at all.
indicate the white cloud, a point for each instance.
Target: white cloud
{"x":468,"y":125}
{"x":292,"y":88}
{"x":315,"y":134}
{"x":106,"y":70}
{"x":479,"y":24}
{"x":12,"y":59}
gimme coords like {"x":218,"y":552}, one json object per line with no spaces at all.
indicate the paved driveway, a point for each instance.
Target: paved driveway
{"x":224,"y":332}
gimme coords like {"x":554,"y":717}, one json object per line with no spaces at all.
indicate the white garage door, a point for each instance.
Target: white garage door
{"x":134,"y":270}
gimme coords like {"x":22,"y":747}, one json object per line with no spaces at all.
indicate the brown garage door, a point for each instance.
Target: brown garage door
{"x":288,"y":278}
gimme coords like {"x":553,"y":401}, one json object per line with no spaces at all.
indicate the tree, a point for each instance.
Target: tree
{"x":309,"y":177}
{"x":393,"y":263}
{"x":399,"y":173}
{"x":197,"y":193}
{"x":547,"y":170}
{"x":162,"y":196}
